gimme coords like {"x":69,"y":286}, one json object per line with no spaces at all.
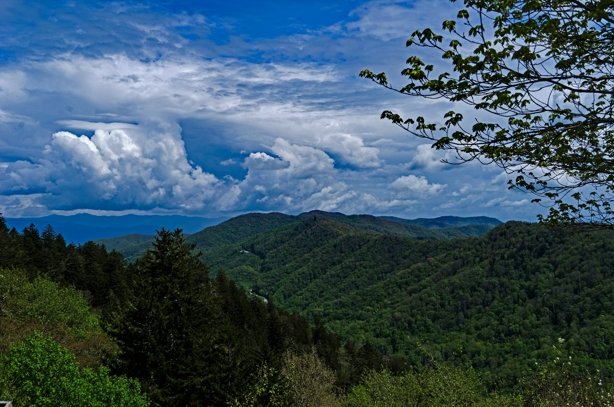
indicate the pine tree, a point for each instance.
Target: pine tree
{"x":165,"y":313}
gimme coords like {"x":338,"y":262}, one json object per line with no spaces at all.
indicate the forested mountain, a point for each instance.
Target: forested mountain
{"x":406,"y":227}
{"x":499,"y":302}
{"x":499,"y":309}
{"x":244,"y":226}
{"x":447,"y":221}
{"x":187,"y":338}
{"x":127,"y":245}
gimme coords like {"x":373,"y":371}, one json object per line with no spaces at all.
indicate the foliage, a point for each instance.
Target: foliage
{"x":89,"y":267}
{"x":251,"y":225}
{"x":44,"y":301}
{"x":553,"y":384}
{"x":189,"y":338}
{"x":556,"y":383}
{"x":447,"y":221}
{"x":239,"y":228}
{"x":434,"y":386}
{"x":267,"y":390}
{"x":61,"y":312}
{"x":128,"y":245}
{"x":491,"y":306}
{"x":163,"y":320}
{"x":412,"y":228}
{"x":310,"y":382}
{"x":39,"y":372}
{"x":497,"y":303}
{"x":544,"y":66}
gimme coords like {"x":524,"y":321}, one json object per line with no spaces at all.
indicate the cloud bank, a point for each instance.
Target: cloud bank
{"x":142,"y":107}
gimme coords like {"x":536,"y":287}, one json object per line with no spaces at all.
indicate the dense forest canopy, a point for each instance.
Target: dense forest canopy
{"x":363,"y":311}
{"x":498,"y":302}
{"x":242,"y":227}
{"x":162,"y":321}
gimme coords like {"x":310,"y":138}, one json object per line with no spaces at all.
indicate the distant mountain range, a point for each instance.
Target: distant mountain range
{"x":82,"y":228}
{"x":242,"y":227}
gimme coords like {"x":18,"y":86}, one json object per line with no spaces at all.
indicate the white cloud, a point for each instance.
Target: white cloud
{"x":493,"y":202}
{"x":263,"y":161}
{"x":351,"y":149}
{"x":502,"y":201}
{"x":412,"y":185}
{"x":515,"y":203}
{"x":144,"y":167}
{"x":230,"y":161}
{"x":461,"y":191}
{"x":302,"y":178}
{"x":304,"y":161}
{"x":429,"y":159}
{"x":389,"y":19}
{"x":23,"y":205}
{"x":329,"y":198}
{"x":297,"y":173}
{"x":292,"y":119}
{"x":85,"y":125}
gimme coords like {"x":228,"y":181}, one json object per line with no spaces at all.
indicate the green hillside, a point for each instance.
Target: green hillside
{"x":168,"y":332}
{"x":239,"y":228}
{"x":228,"y":232}
{"x":446,"y":221}
{"x":505,"y":309}
{"x":242,"y":227}
{"x":126,"y":243}
{"x":405,"y":227}
{"x":499,"y":302}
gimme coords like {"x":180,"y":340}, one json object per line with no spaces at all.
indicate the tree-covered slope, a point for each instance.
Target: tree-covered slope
{"x":127,"y":244}
{"x":499,"y":302}
{"x":239,"y":228}
{"x":187,"y":338}
{"x":448,"y":227}
{"x":242,"y":227}
{"x":446,"y":221}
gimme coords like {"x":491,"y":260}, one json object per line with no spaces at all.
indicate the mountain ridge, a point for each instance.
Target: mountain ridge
{"x":83,"y":227}
{"x":499,"y":301}
{"x":244,"y":226}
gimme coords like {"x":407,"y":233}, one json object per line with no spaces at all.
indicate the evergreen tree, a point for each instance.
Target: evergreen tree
{"x":165,"y":314}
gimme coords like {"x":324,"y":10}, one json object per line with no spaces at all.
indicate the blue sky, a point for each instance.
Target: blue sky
{"x":217,"y":108}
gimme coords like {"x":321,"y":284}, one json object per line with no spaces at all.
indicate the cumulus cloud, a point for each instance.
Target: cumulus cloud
{"x":304,"y":161}
{"x":145,"y":167}
{"x":295,"y":174}
{"x":301,"y":178}
{"x":263,"y":161}
{"x":329,"y":198}
{"x":429,"y":159}
{"x":412,"y":185}
{"x":292,"y":105}
{"x":30,"y":205}
{"x":351,"y":149}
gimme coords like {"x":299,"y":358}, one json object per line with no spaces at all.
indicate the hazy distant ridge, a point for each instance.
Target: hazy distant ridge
{"x":83,"y":227}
